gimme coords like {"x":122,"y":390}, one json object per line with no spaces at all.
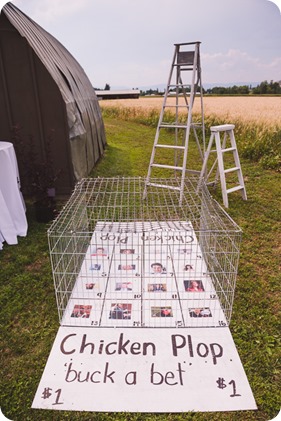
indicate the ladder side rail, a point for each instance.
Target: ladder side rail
{"x":238,"y":165}
{"x":167,"y":88}
{"x":184,"y":94}
{"x":195,"y":68}
{"x":177,"y":114}
{"x":159,"y":122}
{"x":218,"y":170}
{"x":204,"y":166}
{"x":177,"y":100}
{"x":189,"y":120}
{"x":221,"y":169}
{"x":185,"y":155}
{"x":211,"y":170}
{"x":201,"y":103}
{"x":198,"y":143}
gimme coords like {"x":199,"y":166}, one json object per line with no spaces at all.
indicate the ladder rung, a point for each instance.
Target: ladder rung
{"x":169,"y":167}
{"x":164,"y":186}
{"x":179,"y":126}
{"x":191,"y":66}
{"x":234,"y":189}
{"x":179,"y":85}
{"x":228,"y":150}
{"x":176,"y":106}
{"x":173,"y":126}
{"x":170,"y":146}
{"x":232,"y":169}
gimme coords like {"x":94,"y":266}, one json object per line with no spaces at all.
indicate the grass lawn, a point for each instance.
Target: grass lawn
{"x":29,"y":319}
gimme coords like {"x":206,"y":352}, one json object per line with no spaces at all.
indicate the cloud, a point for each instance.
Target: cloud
{"x":124,"y":42}
{"x":52,"y":10}
{"x":237,"y":65}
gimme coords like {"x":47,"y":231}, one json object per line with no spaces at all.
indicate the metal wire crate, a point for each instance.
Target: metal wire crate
{"x":122,"y":260}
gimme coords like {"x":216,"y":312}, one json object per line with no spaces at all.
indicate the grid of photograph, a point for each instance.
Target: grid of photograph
{"x":153,"y":278}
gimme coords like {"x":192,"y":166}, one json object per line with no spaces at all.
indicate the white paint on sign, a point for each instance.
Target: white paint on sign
{"x":107,"y":369}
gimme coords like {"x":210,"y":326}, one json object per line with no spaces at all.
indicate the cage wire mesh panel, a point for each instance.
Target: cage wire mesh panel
{"x":121,"y":260}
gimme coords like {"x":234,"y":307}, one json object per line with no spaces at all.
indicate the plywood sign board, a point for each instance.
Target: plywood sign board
{"x":172,"y":370}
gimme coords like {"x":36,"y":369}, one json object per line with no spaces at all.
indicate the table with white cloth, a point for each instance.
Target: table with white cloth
{"x":13,"y":221}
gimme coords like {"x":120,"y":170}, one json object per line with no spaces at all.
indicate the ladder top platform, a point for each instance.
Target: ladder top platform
{"x":222,"y":128}
{"x":188,"y":43}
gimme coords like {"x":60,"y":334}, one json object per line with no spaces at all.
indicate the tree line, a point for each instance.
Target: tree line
{"x":265,"y":87}
{"x":269,"y":88}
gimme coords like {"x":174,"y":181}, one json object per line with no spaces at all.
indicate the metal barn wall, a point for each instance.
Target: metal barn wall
{"x":32,"y":101}
{"x":46,"y":92}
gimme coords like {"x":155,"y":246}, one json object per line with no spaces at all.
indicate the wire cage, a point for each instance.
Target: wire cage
{"x":124,"y":259}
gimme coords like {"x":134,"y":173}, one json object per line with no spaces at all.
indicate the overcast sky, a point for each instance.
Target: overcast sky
{"x":130,"y":43}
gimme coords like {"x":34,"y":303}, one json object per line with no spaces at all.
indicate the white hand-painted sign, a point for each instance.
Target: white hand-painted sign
{"x":107,"y":369}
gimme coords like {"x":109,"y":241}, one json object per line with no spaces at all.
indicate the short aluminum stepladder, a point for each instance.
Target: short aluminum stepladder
{"x":228,"y":135}
{"x":171,"y":155}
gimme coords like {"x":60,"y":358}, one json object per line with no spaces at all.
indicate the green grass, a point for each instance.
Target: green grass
{"x":29,"y":319}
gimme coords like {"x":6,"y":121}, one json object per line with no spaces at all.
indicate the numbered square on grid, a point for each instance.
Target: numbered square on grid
{"x":159,"y":288}
{"x":82,"y":312}
{"x":128,"y":288}
{"x":95,"y":265}
{"x":127,"y":269}
{"x":121,"y":313}
{"x":195,"y":266}
{"x":203,"y":313}
{"x":89,"y":287}
{"x":195,"y":287}
{"x":128,"y":252}
{"x":161,"y":313}
{"x":184,"y":253}
{"x":158,"y":267}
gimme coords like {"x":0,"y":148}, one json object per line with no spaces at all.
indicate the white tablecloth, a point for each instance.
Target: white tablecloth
{"x":12,"y":208}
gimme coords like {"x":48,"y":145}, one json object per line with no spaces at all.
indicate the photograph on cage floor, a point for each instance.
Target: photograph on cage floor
{"x":123,"y":268}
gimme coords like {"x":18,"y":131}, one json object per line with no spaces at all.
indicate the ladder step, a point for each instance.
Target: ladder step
{"x":170,"y":146}
{"x":228,"y":150}
{"x":231,"y":169}
{"x":163,"y":185}
{"x":169,"y":167}
{"x":175,"y":106}
{"x":234,"y":189}
{"x":179,"y":85}
{"x":173,"y":126}
{"x":179,"y":126}
{"x":183,"y":66}
{"x":223,"y":128}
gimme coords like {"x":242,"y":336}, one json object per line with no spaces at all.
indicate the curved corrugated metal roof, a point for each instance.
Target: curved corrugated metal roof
{"x":82,"y":106}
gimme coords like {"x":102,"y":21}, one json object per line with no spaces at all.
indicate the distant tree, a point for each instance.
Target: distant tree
{"x":267,"y":88}
{"x":231,"y":90}
{"x":107,"y":87}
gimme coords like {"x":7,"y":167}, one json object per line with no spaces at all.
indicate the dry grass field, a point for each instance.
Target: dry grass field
{"x":260,"y":110}
{"x":257,"y":120}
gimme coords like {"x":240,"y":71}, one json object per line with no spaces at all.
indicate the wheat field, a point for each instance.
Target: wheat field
{"x":258,"y":110}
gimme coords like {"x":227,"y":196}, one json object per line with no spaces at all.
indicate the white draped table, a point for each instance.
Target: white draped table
{"x":12,"y":208}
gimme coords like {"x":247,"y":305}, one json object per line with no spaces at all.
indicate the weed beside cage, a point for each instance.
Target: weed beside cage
{"x":124,"y":260}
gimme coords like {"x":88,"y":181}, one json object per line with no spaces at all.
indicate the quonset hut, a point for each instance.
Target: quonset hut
{"x":48,"y":102}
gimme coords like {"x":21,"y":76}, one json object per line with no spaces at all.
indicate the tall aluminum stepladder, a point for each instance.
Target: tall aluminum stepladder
{"x":186,"y":62}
